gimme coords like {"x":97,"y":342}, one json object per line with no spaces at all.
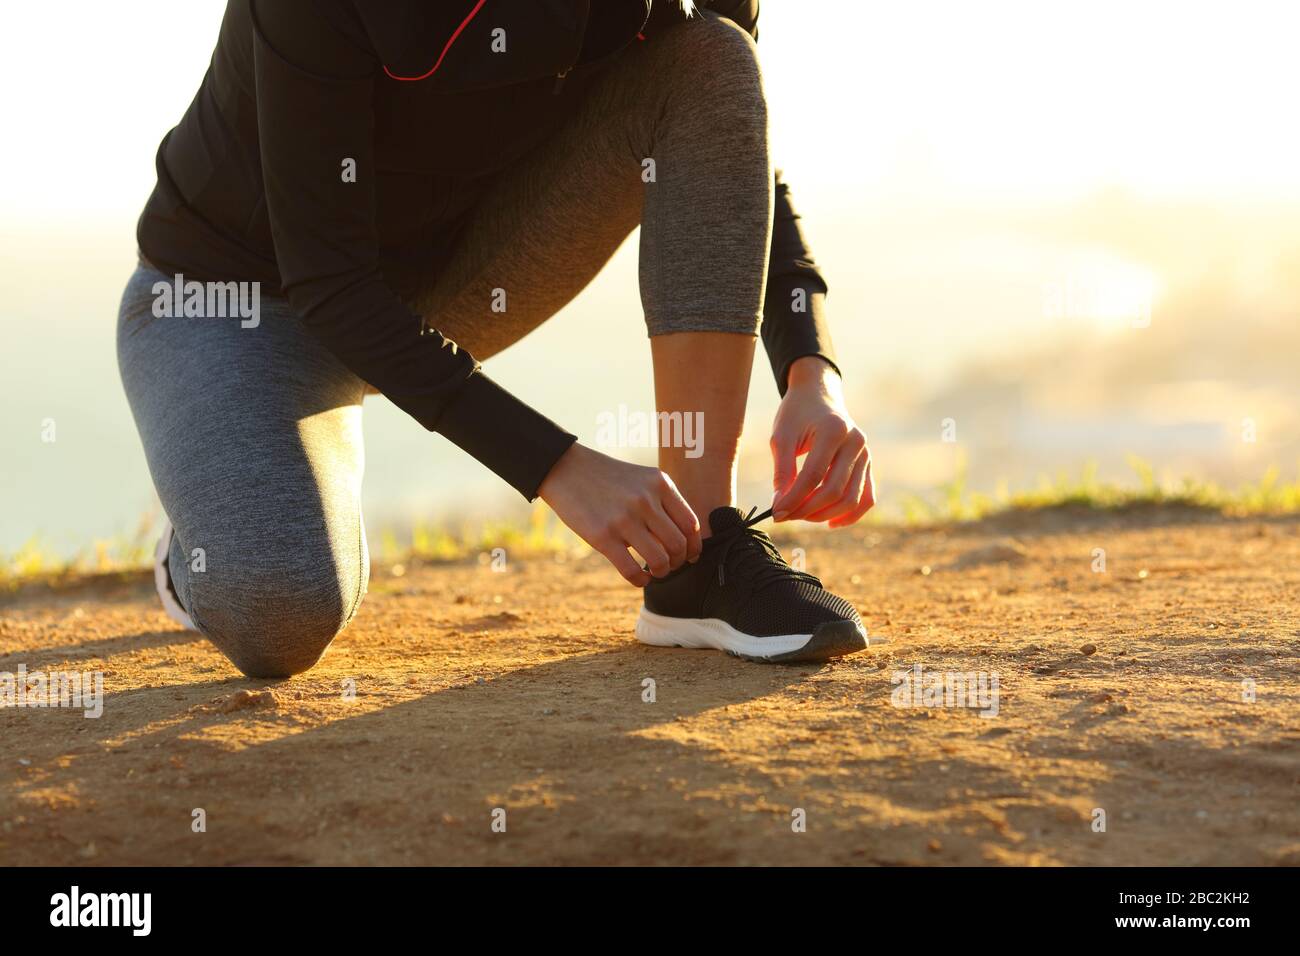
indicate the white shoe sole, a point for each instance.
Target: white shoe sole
{"x":832,"y":639}
{"x":161,"y":580}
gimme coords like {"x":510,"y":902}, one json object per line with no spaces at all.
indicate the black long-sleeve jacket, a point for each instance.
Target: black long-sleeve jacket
{"x":250,"y":183}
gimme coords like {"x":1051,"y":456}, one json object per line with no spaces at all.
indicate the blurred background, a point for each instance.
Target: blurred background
{"x":1054,"y":234}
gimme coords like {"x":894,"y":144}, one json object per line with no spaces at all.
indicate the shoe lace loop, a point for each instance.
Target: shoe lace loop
{"x":755,"y":552}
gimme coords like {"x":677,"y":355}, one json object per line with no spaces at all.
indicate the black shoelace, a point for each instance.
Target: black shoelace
{"x":754,"y":553}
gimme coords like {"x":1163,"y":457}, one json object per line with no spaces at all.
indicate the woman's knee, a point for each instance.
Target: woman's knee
{"x":701,"y":97}
{"x":712,"y":54}
{"x":275,"y":622}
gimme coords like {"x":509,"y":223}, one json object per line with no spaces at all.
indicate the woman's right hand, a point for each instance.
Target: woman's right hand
{"x":613,"y":506}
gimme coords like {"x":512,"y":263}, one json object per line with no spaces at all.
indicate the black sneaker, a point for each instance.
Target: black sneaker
{"x":741,"y":597}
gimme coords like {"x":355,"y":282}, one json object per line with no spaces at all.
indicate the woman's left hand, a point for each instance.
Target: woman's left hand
{"x":835,"y":482}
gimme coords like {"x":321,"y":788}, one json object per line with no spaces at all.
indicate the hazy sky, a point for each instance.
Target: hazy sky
{"x":868,"y":99}
{"x":947,"y":158}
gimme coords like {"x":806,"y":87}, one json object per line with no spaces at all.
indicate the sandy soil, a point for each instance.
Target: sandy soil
{"x":523,"y":690}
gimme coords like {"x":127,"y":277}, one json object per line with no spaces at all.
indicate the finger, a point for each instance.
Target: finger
{"x":617,"y":554}
{"x":851,"y":495}
{"x":643,"y":542}
{"x":864,"y":505}
{"x":785,"y":454}
{"x":669,"y":535}
{"x":687,"y":522}
{"x":836,"y":483}
{"x":810,"y":475}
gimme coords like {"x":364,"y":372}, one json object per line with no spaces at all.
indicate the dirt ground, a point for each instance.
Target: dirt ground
{"x":524,"y":690}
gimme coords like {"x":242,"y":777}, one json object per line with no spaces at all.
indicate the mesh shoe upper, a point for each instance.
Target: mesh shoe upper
{"x":742,"y":579}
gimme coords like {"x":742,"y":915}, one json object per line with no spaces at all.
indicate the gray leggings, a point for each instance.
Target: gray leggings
{"x":253,"y":435}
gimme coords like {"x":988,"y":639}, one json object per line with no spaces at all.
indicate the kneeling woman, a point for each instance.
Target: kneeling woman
{"x":381,"y":171}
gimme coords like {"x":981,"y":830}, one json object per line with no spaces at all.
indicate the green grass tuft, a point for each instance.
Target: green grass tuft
{"x":543,"y":534}
{"x":35,"y":561}
{"x":954,"y":502}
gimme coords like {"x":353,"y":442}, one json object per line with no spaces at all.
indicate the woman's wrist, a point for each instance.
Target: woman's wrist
{"x":546,"y":490}
{"x":811,"y":371}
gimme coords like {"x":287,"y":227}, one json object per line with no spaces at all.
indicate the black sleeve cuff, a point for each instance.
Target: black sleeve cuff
{"x":515,"y":441}
{"x":789,"y":334}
